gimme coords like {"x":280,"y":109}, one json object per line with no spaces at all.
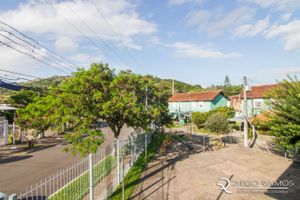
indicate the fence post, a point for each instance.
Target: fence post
{"x":131,"y":150}
{"x":5,"y":131}
{"x":91,"y":176}
{"x":123,"y":181}
{"x":118,"y":160}
{"x":146,"y":144}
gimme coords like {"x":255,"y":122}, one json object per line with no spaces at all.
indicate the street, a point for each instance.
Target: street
{"x":22,"y":171}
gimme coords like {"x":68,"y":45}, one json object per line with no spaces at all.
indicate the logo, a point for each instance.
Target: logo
{"x":225,"y":186}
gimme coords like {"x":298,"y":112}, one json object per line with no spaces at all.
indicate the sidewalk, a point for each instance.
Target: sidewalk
{"x":183,"y":175}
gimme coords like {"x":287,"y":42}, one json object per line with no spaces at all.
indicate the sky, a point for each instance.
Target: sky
{"x":195,"y":41}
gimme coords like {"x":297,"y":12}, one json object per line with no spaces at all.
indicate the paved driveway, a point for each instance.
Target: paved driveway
{"x":181,"y":175}
{"x":22,"y":171}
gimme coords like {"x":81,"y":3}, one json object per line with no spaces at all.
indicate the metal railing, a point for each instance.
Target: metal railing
{"x":74,"y":181}
{"x":252,"y":142}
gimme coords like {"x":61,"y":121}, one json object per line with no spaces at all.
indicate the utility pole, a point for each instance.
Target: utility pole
{"x":173,"y":87}
{"x":191,"y":115}
{"x":245,"y":113}
{"x":146,"y":142}
{"x":146,"y":98}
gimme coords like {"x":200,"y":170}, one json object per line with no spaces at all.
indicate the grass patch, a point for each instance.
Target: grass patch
{"x":204,"y":131}
{"x":134,"y":174}
{"x":79,"y":187}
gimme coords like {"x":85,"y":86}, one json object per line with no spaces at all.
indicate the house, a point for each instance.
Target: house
{"x":256,"y":99}
{"x":196,"y":102}
{"x":235,"y":102}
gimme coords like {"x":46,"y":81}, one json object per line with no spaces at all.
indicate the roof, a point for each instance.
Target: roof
{"x":199,"y":96}
{"x":259,"y":91}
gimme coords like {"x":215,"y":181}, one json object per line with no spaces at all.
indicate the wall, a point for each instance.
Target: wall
{"x":220,"y":100}
{"x":197,"y":106}
{"x":255,"y":106}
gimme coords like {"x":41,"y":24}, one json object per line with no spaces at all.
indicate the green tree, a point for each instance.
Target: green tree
{"x":125,"y":102}
{"x":199,"y":118}
{"x":227,"y":111}
{"x":284,"y":117}
{"x":232,"y":90}
{"x":34,"y":118}
{"x":218,"y":123}
{"x":157,"y":107}
{"x":79,"y":104}
{"x":22,"y":98}
{"x":227,"y":81}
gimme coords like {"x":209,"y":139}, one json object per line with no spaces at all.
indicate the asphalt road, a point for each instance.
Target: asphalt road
{"x":20,"y":172}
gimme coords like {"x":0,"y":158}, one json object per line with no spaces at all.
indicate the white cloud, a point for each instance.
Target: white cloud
{"x":180,"y":2}
{"x":12,"y":60}
{"x":66,"y":44}
{"x":17,"y":62}
{"x":287,"y":70}
{"x":40,"y":18}
{"x":191,"y":50}
{"x":249,"y":30}
{"x":85,"y":59}
{"x":286,"y":17}
{"x":289,"y":33}
{"x":281,"y":5}
{"x":217,"y":22}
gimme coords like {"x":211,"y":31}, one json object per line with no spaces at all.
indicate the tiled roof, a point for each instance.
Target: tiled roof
{"x":259,"y":91}
{"x":199,"y":96}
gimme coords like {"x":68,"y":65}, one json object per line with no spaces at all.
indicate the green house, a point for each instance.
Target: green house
{"x":196,"y":102}
{"x":256,"y":99}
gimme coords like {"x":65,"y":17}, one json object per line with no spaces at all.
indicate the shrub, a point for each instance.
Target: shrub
{"x":10,"y":139}
{"x":218,"y":123}
{"x":261,"y":123}
{"x":228,"y":111}
{"x":199,"y":118}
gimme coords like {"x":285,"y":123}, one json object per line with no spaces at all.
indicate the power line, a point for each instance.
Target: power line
{"x":79,"y":30}
{"x":116,"y":35}
{"x":33,"y":42}
{"x":35,"y":48}
{"x":18,"y":73}
{"x":34,"y":51}
{"x":95,"y":34}
{"x":32,"y":56}
{"x":25,"y":75}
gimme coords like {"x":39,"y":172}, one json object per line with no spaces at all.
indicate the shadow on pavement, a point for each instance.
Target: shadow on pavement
{"x":14,"y":159}
{"x":180,"y":149}
{"x":293,"y":192}
{"x":39,"y":148}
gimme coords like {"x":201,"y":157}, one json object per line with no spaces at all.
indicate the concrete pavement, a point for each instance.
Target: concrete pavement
{"x":180,"y":175}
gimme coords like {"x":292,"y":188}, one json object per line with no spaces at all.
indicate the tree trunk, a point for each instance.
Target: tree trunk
{"x":30,"y":143}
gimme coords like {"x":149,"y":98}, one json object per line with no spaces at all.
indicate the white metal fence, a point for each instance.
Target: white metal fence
{"x":3,"y":132}
{"x":74,"y":181}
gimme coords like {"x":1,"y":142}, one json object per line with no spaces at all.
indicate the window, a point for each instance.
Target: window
{"x":194,"y":104}
{"x":258,"y":104}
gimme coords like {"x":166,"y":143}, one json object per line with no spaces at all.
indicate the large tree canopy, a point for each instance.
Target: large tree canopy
{"x":125,"y":102}
{"x":284,"y":118}
{"x":79,"y":103}
{"x":35,"y":117}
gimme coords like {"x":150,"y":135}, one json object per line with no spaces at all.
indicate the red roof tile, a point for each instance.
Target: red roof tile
{"x":199,"y":96}
{"x":259,"y":91}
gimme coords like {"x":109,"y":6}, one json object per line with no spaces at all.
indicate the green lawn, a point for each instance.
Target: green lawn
{"x":135,"y":172}
{"x":79,"y":187}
